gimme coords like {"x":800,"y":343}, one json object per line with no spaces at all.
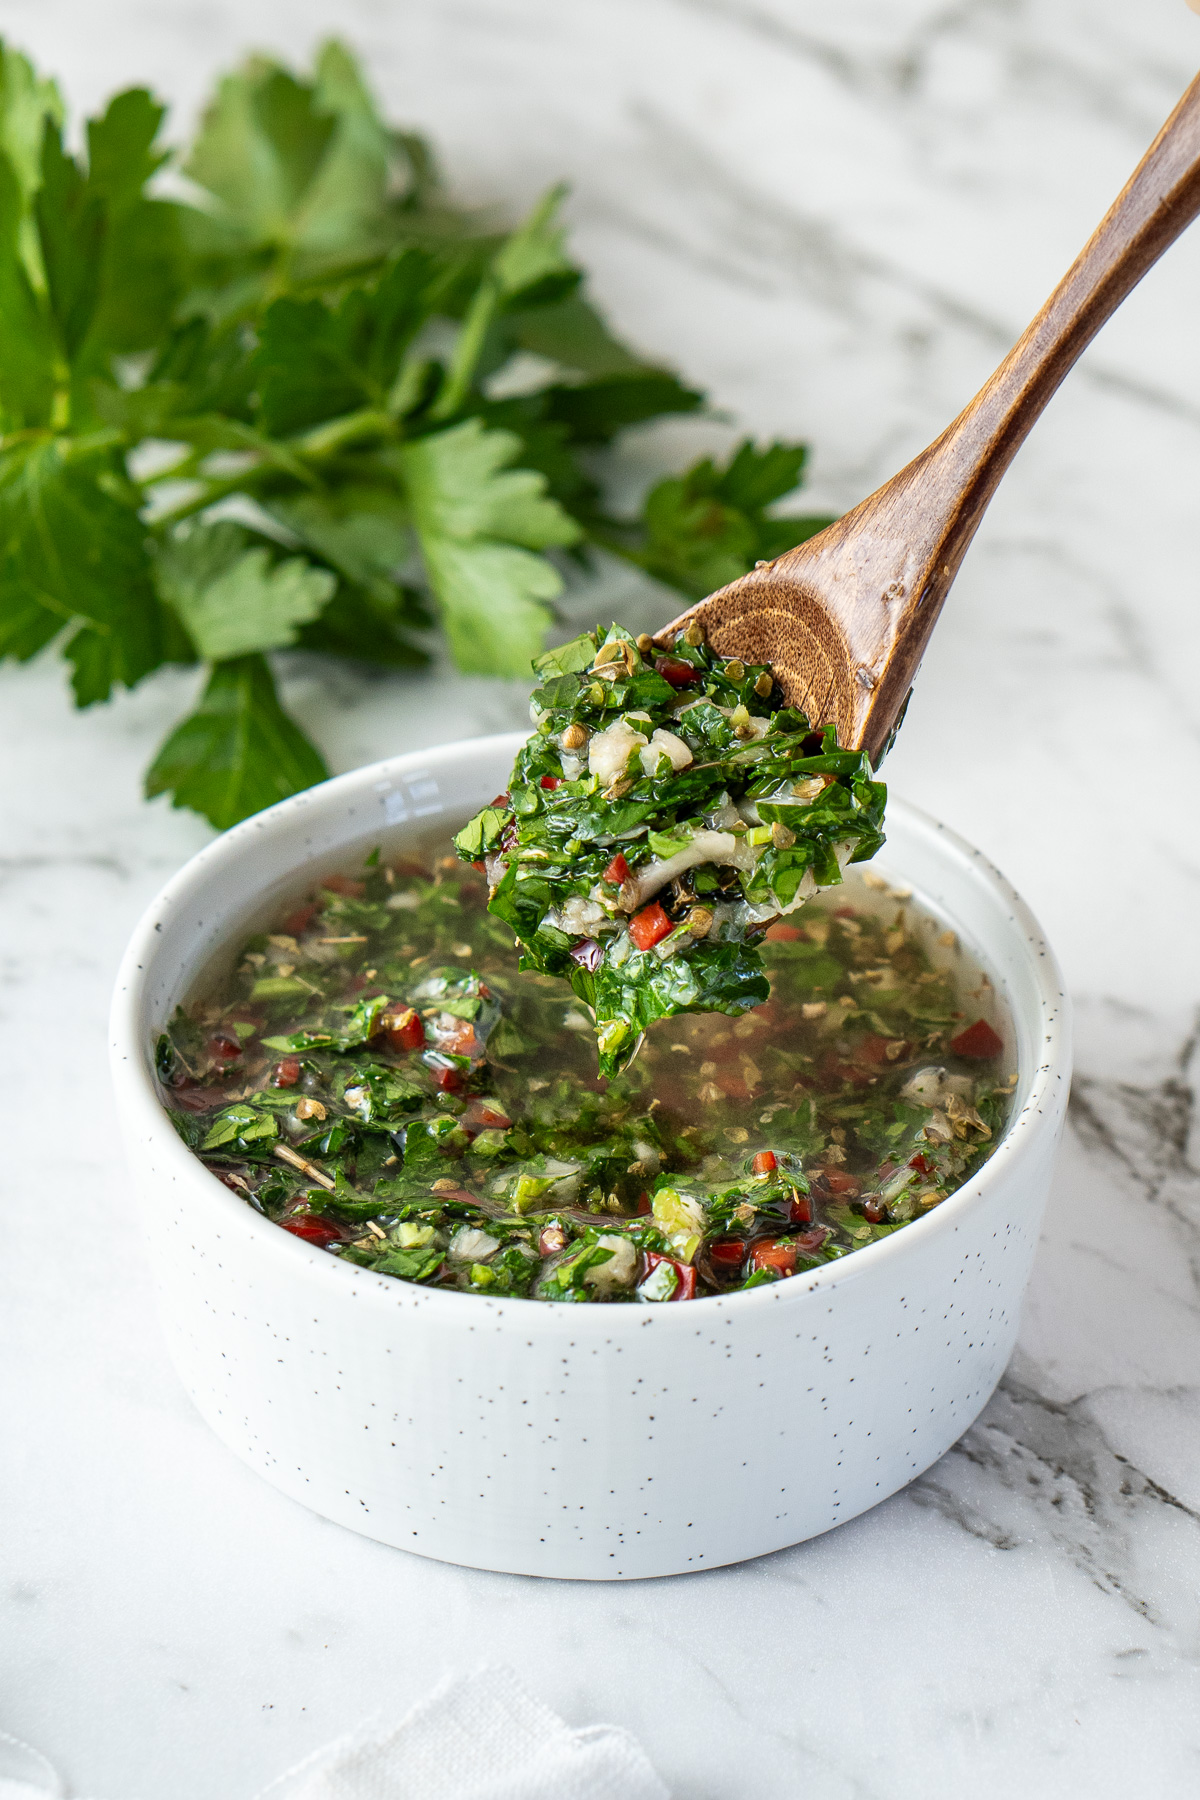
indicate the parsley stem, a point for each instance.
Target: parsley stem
{"x":328,"y":439}
{"x":468,"y":349}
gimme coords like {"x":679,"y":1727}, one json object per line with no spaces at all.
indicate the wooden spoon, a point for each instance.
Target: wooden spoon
{"x":844,"y":618}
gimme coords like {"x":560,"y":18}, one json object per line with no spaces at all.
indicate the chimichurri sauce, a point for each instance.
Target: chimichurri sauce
{"x":379,"y":1078}
{"x":666,"y":808}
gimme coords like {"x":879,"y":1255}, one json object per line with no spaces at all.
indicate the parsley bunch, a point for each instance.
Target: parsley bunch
{"x":281,"y":411}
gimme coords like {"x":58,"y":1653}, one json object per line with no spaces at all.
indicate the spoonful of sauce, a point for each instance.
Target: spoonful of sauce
{"x":843,"y":619}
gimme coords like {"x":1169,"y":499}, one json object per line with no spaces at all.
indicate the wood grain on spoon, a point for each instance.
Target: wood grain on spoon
{"x":844,"y":618}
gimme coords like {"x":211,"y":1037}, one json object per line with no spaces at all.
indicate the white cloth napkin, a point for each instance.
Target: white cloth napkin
{"x":476,"y":1737}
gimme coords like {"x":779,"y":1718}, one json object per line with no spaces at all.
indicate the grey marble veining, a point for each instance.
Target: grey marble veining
{"x":836,"y":218}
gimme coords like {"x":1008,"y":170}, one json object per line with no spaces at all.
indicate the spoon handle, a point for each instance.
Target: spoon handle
{"x":964,"y":466}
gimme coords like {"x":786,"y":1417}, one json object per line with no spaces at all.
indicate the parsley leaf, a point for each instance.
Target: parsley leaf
{"x":238,"y":752}
{"x":470,"y":512}
{"x":706,"y":527}
{"x":233,"y":600}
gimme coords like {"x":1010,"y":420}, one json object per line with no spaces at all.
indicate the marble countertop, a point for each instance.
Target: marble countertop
{"x":837,"y":219}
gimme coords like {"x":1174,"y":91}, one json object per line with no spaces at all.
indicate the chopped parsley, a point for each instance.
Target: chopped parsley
{"x":667,"y":807}
{"x":379,"y":1077}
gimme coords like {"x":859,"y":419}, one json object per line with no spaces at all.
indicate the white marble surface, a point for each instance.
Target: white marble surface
{"x":836,"y":218}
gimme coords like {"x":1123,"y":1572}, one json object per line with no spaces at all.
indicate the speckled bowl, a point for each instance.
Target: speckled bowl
{"x":601,"y":1442}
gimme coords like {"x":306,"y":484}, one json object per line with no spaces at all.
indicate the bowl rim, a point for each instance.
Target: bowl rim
{"x":144,"y":1114}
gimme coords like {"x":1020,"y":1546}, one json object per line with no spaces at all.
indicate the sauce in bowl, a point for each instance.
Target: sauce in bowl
{"x":379,"y":1077}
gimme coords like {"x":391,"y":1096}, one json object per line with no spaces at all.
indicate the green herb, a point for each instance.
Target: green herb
{"x":270,"y":419}
{"x":481,"y":1154}
{"x":666,"y":809}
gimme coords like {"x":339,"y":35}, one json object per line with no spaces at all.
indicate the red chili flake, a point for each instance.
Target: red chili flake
{"x":344,"y":884}
{"x":679,"y":674}
{"x":685,"y":1274}
{"x":287,"y":1073}
{"x":462,"y":1194}
{"x":551,"y":1240}
{"x":780,"y":933}
{"x":451,"y":1081}
{"x":199,"y":1099}
{"x":404,"y":1030}
{"x":775,"y":1253}
{"x":650,"y":926}
{"x":837,"y":1183}
{"x":922,"y":1165}
{"x":479,"y":1116}
{"x":461,"y":1041}
{"x":727,"y":1253}
{"x":550,"y":782}
{"x":978,"y":1040}
{"x":800,"y":1211}
{"x":617,"y":870}
{"x":298,"y":922}
{"x":588,"y":953}
{"x":764,"y":1162}
{"x":810,"y":1241}
{"x":313,"y":1231}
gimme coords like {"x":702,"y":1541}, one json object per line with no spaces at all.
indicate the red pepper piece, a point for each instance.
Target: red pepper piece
{"x":451,"y":1081}
{"x":800,"y":1211}
{"x":650,"y":926}
{"x":837,"y":1183}
{"x":679,"y":674}
{"x":224,"y":1049}
{"x":344,"y":884}
{"x":313,"y":1231}
{"x":775,"y":1253}
{"x":922,"y":1165}
{"x":617,"y":870}
{"x":874,"y":1211}
{"x":644,"y":1203}
{"x":199,"y":1099}
{"x":502,"y":803}
{"x":404,"y":1029}
{"x":874,"y":1049}
{"x":479,"y":1116}
{"x":550,"y":782}
{"x":727,"y":1253}
{"x":298,"y":922}
{"x":480,"y":866}
{"x":287,"y":1073}
{"x":764,"y":1162}
{"x":781,"y":933}
{"x":461,"y":1194}
{"x":978,"y":1040}
{"x":685,"y":1273}
{"x":808,"y":1241}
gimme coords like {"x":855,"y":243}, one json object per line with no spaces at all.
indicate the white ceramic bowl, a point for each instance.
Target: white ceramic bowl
{"x":594,"y":1442}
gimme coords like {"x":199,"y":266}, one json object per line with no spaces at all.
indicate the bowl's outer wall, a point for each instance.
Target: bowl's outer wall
{"x":584,"y":1442}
